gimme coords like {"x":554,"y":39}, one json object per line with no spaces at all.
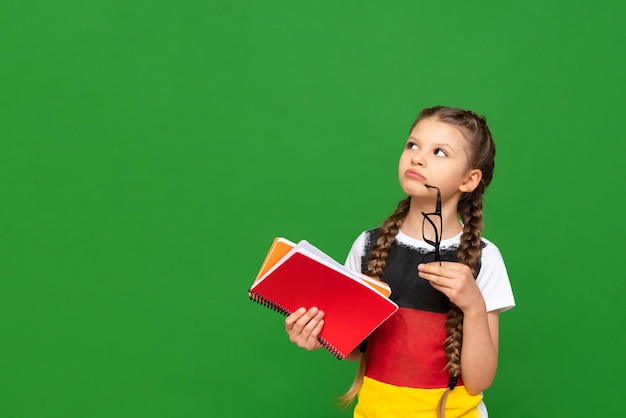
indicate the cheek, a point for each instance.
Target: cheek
{"x":404,"y":162}
{"x":405,"y":158}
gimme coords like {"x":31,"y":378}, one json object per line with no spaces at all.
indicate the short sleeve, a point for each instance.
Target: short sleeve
{"x":493,"y":280}
{"x":353,"y":260}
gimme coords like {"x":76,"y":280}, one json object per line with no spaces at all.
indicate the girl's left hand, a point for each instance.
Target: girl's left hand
{"x":455,"y":280}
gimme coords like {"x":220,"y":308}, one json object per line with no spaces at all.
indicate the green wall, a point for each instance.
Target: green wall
{"x":151,"y":150}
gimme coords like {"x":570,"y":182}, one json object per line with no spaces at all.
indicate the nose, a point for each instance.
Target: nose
{"x":417,"y":159}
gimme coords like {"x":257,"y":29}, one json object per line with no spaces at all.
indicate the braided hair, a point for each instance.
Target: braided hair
{"x":482,"y":155}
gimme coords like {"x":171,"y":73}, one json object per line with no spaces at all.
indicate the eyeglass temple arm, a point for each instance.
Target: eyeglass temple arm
{"x":438,"y":206}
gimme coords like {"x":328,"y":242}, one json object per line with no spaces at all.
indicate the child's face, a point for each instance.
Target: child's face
{"x":435,"y":154}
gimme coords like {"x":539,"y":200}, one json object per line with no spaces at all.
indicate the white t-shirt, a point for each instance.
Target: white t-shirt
{"x":493,"y":280}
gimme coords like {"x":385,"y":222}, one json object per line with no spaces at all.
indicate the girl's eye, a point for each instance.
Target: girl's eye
{"x":411,"y":145}
{"x":440,"y":153}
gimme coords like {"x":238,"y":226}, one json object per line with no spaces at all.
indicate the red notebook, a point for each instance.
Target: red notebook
{"x":354,"y":305}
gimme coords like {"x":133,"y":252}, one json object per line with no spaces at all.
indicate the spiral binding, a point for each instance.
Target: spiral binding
{"x":255,"y":297}
{"x":330,"y":348}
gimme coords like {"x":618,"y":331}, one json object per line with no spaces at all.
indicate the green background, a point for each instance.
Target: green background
{"x":150,"y":151}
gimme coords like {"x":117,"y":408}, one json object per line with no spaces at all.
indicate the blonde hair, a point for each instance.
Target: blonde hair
{"x":482,"y":156}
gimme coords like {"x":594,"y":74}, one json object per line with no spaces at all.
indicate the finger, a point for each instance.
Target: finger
{"x":313,"y":337}
{"x":430,"y":268}
{"x":313,"y":323}
{"x":439,"y":282}
{"x":306,"y":336}
{"x":295,"y":316}
{"x":440,"y":288}
{"x":302,"y":322}
{"x":448,"y":270}
{"x":430,"y":272}
{"x":313,"y":328}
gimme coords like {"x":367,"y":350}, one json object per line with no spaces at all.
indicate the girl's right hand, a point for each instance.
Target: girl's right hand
{"x":304,"y":327}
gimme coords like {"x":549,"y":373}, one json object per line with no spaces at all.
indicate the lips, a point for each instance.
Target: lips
{"x":414,"y":174}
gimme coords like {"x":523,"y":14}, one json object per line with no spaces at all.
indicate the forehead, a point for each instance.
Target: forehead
{"x":434,"y":130}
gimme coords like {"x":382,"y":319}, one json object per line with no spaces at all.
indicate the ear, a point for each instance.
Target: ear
{"x":471,"y":181}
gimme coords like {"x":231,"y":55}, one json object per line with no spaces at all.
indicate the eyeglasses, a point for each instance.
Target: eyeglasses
{"x":433,"y":218}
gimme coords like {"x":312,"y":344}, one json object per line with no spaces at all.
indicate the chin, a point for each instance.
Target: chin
{"x":414,"y":190}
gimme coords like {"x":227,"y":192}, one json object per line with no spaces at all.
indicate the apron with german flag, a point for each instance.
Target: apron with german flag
{"x":406,"y":374}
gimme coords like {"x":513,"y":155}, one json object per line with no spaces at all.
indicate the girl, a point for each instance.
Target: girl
{"x":437,"y":354}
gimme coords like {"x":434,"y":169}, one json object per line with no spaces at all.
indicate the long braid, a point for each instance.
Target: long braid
{"x":388,"y":232}
{"x":375,"y":269}
{"x":469,"y":209}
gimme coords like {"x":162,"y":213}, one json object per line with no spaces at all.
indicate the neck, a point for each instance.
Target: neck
{"x":412,"y":225}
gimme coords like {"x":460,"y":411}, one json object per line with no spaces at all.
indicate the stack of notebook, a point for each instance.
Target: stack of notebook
{"x":301,"y":275}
